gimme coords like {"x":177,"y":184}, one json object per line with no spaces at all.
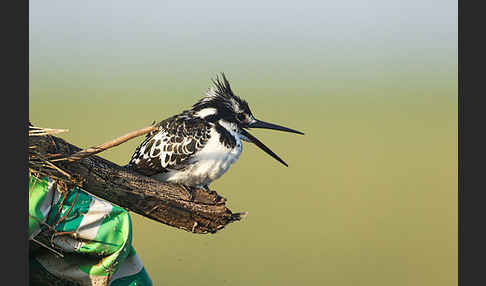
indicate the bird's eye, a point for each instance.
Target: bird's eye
{"x":241,"y":117}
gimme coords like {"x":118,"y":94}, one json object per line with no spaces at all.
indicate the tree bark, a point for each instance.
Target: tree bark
{"x":191,"y":209}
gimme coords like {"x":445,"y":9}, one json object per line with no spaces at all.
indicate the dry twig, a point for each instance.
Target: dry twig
{"x":102,"y":147}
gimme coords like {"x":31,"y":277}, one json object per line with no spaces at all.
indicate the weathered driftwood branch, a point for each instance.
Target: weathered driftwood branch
{"x":193,"y":210}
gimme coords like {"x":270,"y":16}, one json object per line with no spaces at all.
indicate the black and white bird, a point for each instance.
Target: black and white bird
{"x":198,"y":146}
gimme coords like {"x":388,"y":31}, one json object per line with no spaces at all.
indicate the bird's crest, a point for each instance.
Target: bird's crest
{"x":220,"y":93}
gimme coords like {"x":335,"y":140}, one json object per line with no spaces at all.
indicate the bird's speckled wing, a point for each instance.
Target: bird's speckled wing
{"x":172,"y":146}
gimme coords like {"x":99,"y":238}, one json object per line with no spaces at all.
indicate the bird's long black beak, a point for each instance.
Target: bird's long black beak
{"x":266,"y":125}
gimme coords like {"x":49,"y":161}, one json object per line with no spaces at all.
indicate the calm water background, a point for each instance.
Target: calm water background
{"x":370,"y":196}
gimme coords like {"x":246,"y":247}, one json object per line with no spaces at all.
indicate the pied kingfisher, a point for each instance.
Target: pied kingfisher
{"x":198,"y":145}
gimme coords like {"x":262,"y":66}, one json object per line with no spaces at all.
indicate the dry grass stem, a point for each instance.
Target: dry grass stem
{"x":39,"y":131}
{"x":102,"y":147}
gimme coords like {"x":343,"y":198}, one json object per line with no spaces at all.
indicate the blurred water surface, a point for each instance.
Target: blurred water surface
{"x":370,"y":194}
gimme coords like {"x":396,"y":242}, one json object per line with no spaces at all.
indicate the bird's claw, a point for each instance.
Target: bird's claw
{"x":218,"y":198}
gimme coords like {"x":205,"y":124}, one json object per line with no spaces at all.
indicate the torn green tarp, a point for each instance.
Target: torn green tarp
{"x":94,"y":235}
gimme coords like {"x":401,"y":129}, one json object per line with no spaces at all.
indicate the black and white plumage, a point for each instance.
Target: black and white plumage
{"x":198,"y":145}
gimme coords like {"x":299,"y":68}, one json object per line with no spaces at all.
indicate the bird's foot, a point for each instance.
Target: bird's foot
{"x":207,"y":189}
{"x":195,"y":192}
{"x":218,"y":198}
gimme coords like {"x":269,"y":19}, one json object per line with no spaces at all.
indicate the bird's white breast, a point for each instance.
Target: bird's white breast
{"x":210,"y":163}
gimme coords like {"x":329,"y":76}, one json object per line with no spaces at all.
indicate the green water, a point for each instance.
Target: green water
{"x":370,"y":194}
{"x":369,"y":197}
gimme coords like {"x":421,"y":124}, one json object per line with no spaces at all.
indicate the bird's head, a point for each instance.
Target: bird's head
{"x":222,"y":106}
